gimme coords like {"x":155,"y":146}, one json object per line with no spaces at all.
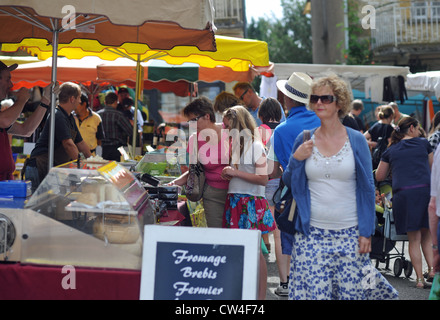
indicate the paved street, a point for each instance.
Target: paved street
{"x":405,"y":287}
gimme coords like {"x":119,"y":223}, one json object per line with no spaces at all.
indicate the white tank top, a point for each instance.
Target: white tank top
{"x":332,"y":184}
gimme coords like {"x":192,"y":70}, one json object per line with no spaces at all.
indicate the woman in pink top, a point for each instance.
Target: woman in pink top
{"x":213,"y":154}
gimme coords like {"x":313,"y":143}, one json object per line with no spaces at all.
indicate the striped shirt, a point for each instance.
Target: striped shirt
{"x":117,"y":128}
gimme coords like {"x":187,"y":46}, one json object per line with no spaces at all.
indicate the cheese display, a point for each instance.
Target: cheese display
{"x":87,"y":217}
{"x":116,"y":229}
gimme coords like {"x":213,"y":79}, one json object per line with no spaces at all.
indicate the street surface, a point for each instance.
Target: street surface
{"x":406,"y":287}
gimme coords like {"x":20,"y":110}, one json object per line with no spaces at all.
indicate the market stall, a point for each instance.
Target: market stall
{"x":85,"y":72}
{"x":39,"y":73}
{"x":427,"y":82}
{"x":86,"y":217}
{"x":375,"y":85}
{"x":89,"y":26}
{"x":359,"y":77}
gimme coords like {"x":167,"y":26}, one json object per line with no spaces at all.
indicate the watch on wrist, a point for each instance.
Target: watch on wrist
{"x":44,"y":105}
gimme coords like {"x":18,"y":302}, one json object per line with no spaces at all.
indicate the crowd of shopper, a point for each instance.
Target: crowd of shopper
{"x":333,"y":230}
{"x":248,"y":145}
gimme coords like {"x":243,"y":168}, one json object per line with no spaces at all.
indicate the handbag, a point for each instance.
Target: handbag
{"x":196,"y":179}
{"x":381,"y":146}
{"x":286,"y":211}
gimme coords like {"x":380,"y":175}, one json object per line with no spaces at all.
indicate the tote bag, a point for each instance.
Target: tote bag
{"x":196,"y":178}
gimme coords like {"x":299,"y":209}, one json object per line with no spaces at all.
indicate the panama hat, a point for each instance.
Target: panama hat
{"x":12,"y":67}
{"x":298,"y":87}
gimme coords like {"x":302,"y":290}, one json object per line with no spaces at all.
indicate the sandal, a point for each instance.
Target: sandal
{"x":420,"y":283}
{"x":429,"y":275}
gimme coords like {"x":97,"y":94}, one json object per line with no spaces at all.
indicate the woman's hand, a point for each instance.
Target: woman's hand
{"x":304,"y":151}
{"x":180,"y":181}
{"x":228,"y":173}
{"x":372,"y":144}
{"x":364,"y":245}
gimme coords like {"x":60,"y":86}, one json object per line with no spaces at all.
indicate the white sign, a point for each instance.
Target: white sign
{"x":186,"y":263}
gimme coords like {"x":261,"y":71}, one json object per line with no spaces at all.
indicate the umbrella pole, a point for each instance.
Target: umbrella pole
{"x":138,"y":88}
{"x":53,"y":98}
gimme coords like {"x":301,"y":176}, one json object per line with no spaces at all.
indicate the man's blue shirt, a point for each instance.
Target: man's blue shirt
{"x":299,"y":119}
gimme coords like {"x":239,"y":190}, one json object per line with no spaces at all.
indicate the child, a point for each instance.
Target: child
{"x":270,"y":116}
{"x":246,"y":206}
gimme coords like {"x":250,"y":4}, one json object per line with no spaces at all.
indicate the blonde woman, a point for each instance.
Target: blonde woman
{"x":331,"y":179}
{"x":381,"y":130}
{"x":246,"y":206}
{"x":381,"y":127}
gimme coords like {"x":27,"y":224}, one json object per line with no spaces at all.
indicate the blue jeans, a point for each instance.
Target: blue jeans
{"x":286,"y":243}
{"x":31,"y":173}
{"x":271,"y":187}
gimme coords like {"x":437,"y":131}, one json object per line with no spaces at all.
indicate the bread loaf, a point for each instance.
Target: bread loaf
{"x":120,"y":229}
{"x":88,"y":198}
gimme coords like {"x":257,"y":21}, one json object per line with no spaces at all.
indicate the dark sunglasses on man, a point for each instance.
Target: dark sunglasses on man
{"x":242,"y":95}
{"x":325,"y":99}
{"x":195,"y":119}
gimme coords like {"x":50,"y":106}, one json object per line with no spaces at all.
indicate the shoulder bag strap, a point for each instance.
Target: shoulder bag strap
{"x":384,"y":131}
{"x":194,"y":149}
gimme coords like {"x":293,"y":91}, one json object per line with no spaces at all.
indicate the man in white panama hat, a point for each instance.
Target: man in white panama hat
{"x":296,"y":92}
{"x":8,"y":117}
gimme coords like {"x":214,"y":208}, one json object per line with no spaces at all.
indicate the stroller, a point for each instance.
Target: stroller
{"x":385,"y":238}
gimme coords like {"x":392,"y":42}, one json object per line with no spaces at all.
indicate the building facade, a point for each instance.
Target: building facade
{"x":230,"y":17}
{"x":407,"y":33}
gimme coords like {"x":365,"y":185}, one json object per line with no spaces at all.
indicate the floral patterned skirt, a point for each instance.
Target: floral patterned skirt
{"x":327,"y":265}
{"x":243,"y":211}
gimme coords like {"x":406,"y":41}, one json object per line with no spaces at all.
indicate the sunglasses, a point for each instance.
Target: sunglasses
{"x":325,"y":99}
{"x":242,"y":95}
{"x":195,"y":119}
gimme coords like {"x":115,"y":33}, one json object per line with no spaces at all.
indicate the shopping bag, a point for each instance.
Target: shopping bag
{"x":197,"y":214}
{"x":286,"y":211}
{"x":196,"y":178}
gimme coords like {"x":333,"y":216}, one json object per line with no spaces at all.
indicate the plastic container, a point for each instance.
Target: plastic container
{"x":15,"y":188}
{"x":153,"y":168}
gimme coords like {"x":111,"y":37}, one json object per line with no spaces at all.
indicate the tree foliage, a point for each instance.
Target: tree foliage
{"x":290,"y":39}
{"x":359,"y":49}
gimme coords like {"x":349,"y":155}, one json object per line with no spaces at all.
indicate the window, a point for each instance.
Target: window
{"x":418,"y":9}
{"x":435,"y":9}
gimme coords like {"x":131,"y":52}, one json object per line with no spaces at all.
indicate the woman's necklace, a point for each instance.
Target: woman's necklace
{"x":328,"y":164}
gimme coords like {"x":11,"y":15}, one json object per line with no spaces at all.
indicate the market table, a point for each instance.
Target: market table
{"x":56,"y":229}
{"x":26,"y":281}
{"x":35,"y":282}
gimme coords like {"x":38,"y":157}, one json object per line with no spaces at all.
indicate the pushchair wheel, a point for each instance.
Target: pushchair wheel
{"x":408,"y":267}
{"x":398,"y":267}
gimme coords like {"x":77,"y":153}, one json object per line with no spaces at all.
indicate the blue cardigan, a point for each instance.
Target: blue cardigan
{"x":295,"y":178}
